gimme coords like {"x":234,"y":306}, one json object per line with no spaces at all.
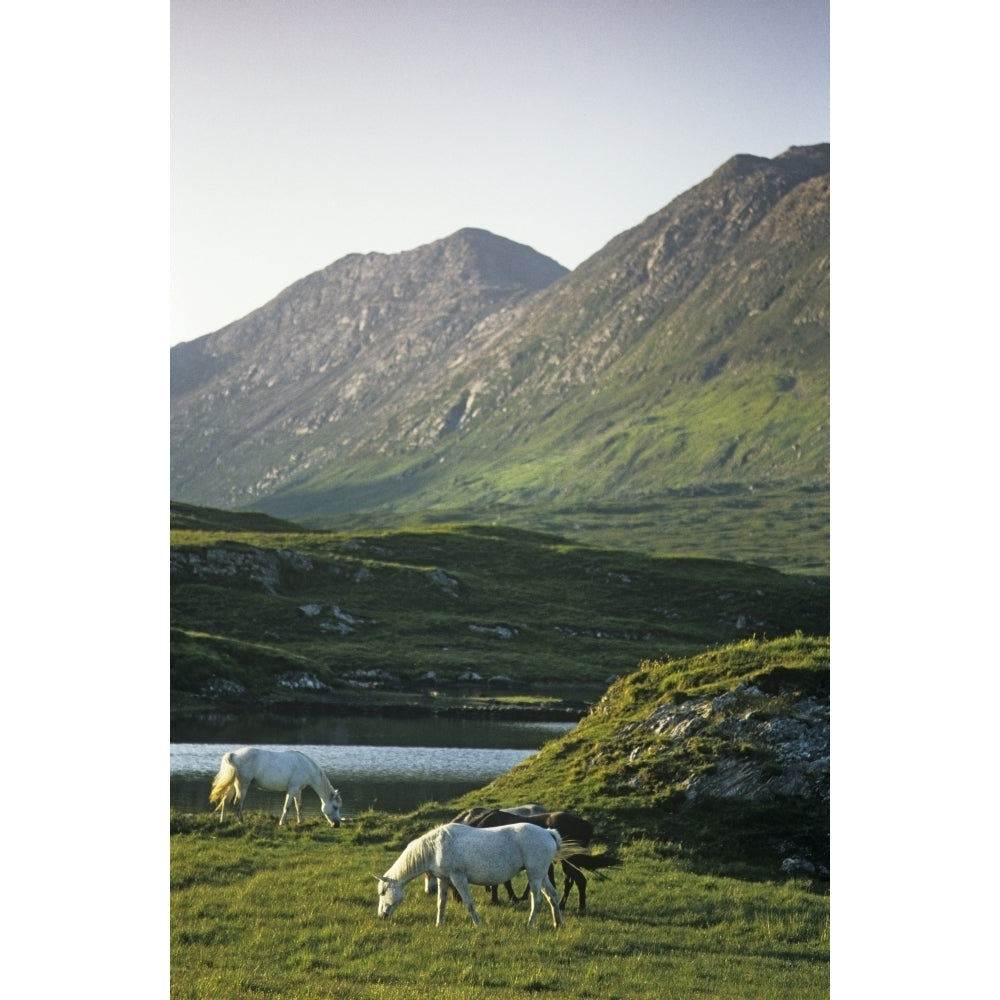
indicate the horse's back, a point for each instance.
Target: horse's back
{"x":513,"y":815}
{"x":276,"y":767}
{"x":495,"y":854}
{"x":468,"y":816}
{"x":528,"y":809}
{"x":493,"y":818}
{"x":569,"y":825}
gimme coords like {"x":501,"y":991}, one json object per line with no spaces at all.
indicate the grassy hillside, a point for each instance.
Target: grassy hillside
{"x":631,"y":777}
{"x":785,"y":528}
{"x":258,"y":606}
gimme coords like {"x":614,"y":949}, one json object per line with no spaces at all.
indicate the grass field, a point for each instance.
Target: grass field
{"x":291,"y":913}
{"x":698,"y":907}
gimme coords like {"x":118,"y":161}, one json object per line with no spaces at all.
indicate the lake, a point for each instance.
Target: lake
{"x":393,"y":765}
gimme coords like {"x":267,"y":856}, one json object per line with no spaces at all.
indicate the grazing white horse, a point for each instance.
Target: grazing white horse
{"x":286,"y":771}
{"x":461,"y":854}
{"x":468,"y":817}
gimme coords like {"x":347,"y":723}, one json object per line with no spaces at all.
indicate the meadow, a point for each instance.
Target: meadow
{"x":533,"y":608}
{"x":698,"y":907}
{"x":262,"y":911}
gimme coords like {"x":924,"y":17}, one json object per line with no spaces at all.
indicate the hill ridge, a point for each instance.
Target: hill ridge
{"x":691,"y":351}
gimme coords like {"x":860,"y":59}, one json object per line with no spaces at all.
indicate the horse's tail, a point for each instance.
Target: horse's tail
{"x":222,"y":786}
{"x":592,"y":862}
{"x":557,"y":837}
{"x":568,"y":848}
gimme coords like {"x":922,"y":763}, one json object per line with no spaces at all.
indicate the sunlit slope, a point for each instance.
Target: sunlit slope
{"x":624,"y":382}
{"x":722,"y":757}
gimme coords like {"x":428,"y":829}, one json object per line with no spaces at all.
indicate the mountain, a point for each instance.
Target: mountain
{"x":691,"y":353}
{"x":341,"y":349}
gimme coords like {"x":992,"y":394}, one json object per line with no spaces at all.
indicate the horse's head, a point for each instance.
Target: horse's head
{"x":331,"y":808}
{"x":390,"y":895}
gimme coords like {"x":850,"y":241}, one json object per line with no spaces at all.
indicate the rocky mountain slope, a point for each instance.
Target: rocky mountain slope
{"x":691,"y":351}
{"x":339,"y":351}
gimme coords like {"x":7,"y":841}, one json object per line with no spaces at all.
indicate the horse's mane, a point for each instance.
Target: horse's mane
{"x":326,"y":784}
{"x":416,"y":856}
{"x":328,"y":788}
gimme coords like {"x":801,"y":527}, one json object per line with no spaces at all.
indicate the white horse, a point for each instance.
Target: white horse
{"x":467,"y":817}
{"x":461,"y":854}
{"x":286,"y":771}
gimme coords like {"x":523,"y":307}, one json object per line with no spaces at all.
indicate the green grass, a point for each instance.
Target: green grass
{"x":782,"y":527}
{"x":291,"y":913}
{"x":434,"y":598}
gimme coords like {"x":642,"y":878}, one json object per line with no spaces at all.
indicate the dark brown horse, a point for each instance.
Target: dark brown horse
{"x":571,"y":828}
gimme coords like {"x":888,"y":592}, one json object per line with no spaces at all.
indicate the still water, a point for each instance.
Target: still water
{"x":394,"y":765}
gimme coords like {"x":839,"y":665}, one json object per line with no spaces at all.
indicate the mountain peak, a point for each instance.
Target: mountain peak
{"x":693,"y":349}
{"x":498,"y":261}
{"x":799,"y":161}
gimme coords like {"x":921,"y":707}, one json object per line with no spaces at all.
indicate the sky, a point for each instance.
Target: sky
{"x":302,"y":130}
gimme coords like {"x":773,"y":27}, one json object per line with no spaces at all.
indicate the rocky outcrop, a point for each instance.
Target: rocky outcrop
{"x":755,"y":750}
{"x":260,"y":566}
{"x":768,"y":747}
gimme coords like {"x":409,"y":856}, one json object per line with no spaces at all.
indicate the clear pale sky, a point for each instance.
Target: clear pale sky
{"x":304,"y":130}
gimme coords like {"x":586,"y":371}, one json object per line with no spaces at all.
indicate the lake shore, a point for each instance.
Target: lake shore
{"x":472,"y":705}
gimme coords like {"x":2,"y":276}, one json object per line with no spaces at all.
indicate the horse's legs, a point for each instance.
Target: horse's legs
{"x":578,"y":879}
{"x":241,"y":796}
{"x":549,"y":889}
{"x":293,"y":795}
{"x":537,"y":888}
{"x":527,"y":888}
{"x":461,"y":884}
{"x":493,"y":890}
{"x":569,"y":881}
{"x":443,"y":888}
{"x":533,"y":890}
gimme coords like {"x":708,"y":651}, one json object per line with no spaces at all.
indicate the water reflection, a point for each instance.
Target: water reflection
{"x":371,"y":730}
{"x":391,"y":765}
